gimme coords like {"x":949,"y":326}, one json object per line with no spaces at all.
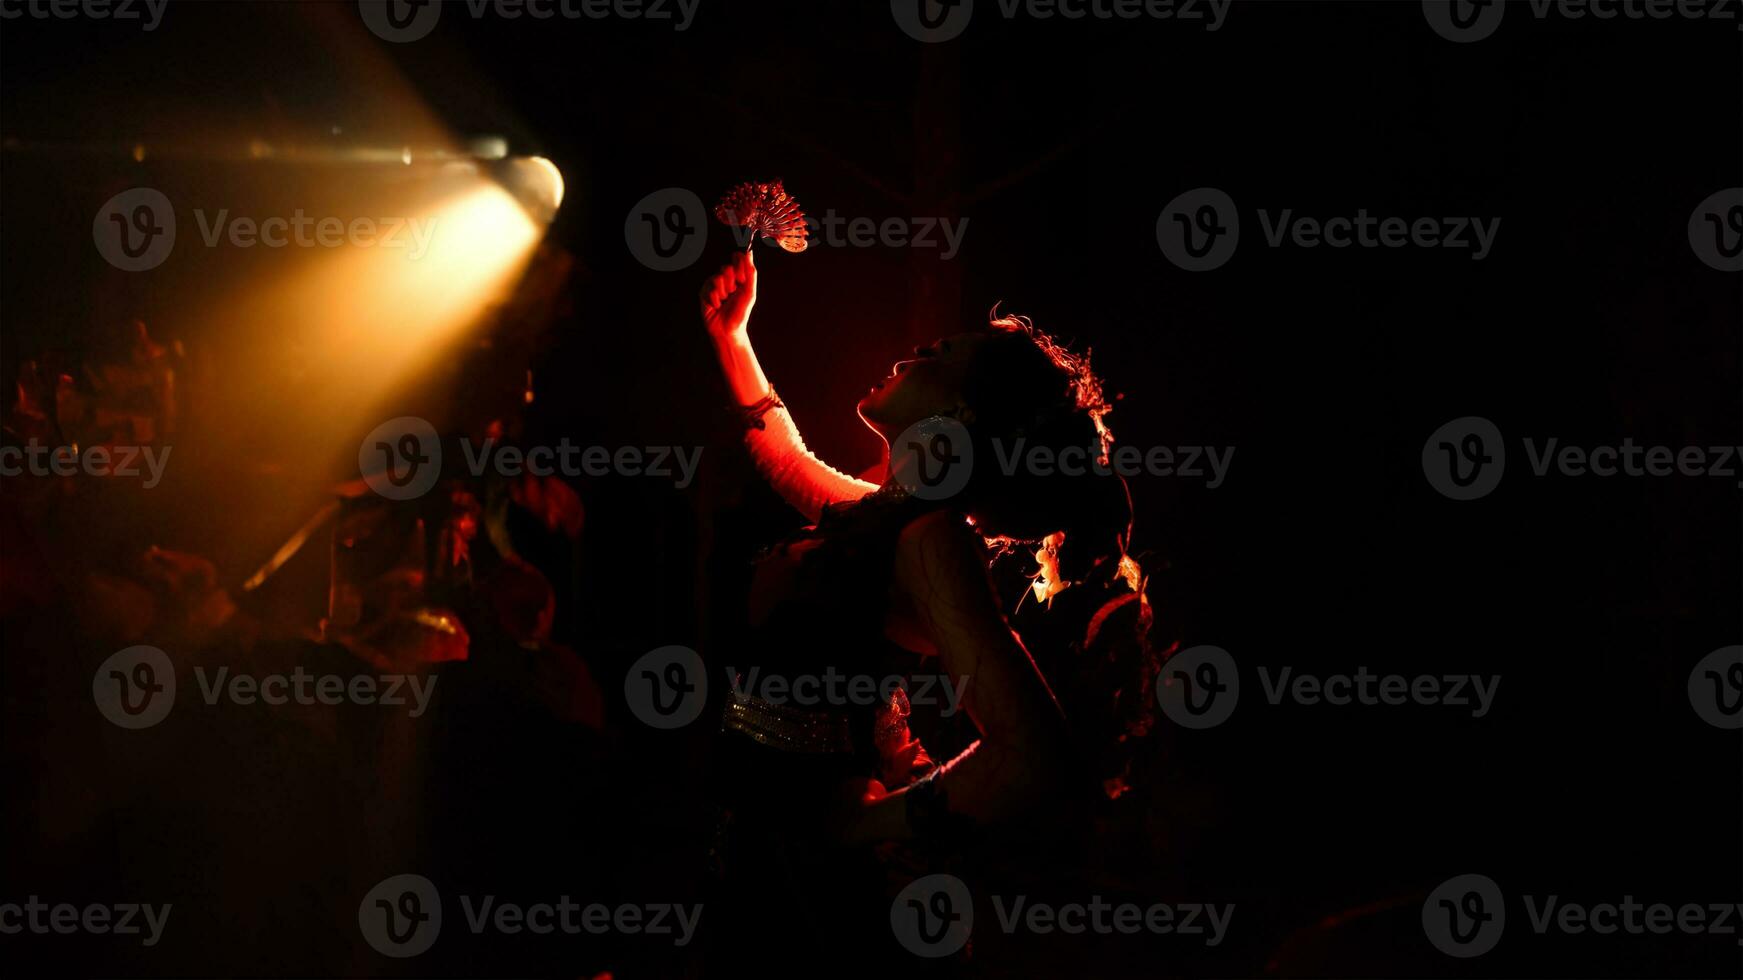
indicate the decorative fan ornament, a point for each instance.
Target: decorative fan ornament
{"x":766,"y":211}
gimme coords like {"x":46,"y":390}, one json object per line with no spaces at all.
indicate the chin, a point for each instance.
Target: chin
{"x":872,"y":414}
{"x":871,"y":405}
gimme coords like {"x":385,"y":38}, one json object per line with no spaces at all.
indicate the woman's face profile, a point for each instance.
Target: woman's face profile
{"x":927,"y":384}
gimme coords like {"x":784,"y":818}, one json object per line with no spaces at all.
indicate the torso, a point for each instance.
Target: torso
{"x":841,"y":576}
{"x":903,"y":625}
{"x":828,"y":600}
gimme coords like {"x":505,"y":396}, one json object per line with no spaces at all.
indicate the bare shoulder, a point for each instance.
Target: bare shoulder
{"x":942,"y":534}
{"x":939,"y":554}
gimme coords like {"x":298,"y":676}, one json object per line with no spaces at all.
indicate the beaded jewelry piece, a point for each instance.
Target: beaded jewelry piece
{"x":751,"y":416}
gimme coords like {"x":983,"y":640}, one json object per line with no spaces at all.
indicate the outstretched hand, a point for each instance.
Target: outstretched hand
{"x":728,"y":296}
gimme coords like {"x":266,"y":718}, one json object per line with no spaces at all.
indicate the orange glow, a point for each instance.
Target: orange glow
{"x":364,"y":315}
{"x":323,"y":339}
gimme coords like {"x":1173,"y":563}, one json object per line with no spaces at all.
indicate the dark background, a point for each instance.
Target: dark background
{"x":1060,"y":143}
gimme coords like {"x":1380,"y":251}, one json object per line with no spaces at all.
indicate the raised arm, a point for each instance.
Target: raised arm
{"x":803,"y":481}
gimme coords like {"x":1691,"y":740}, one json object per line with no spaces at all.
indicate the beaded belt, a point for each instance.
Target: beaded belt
{"x":789,"y":729}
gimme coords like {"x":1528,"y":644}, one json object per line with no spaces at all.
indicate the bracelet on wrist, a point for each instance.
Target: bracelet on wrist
{"x":751,"y":416}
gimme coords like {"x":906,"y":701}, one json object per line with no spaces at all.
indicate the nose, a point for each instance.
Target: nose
{"x":901,"y":366}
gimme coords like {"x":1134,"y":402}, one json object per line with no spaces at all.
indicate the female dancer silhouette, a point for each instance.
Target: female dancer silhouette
{"x":891,"y":576}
